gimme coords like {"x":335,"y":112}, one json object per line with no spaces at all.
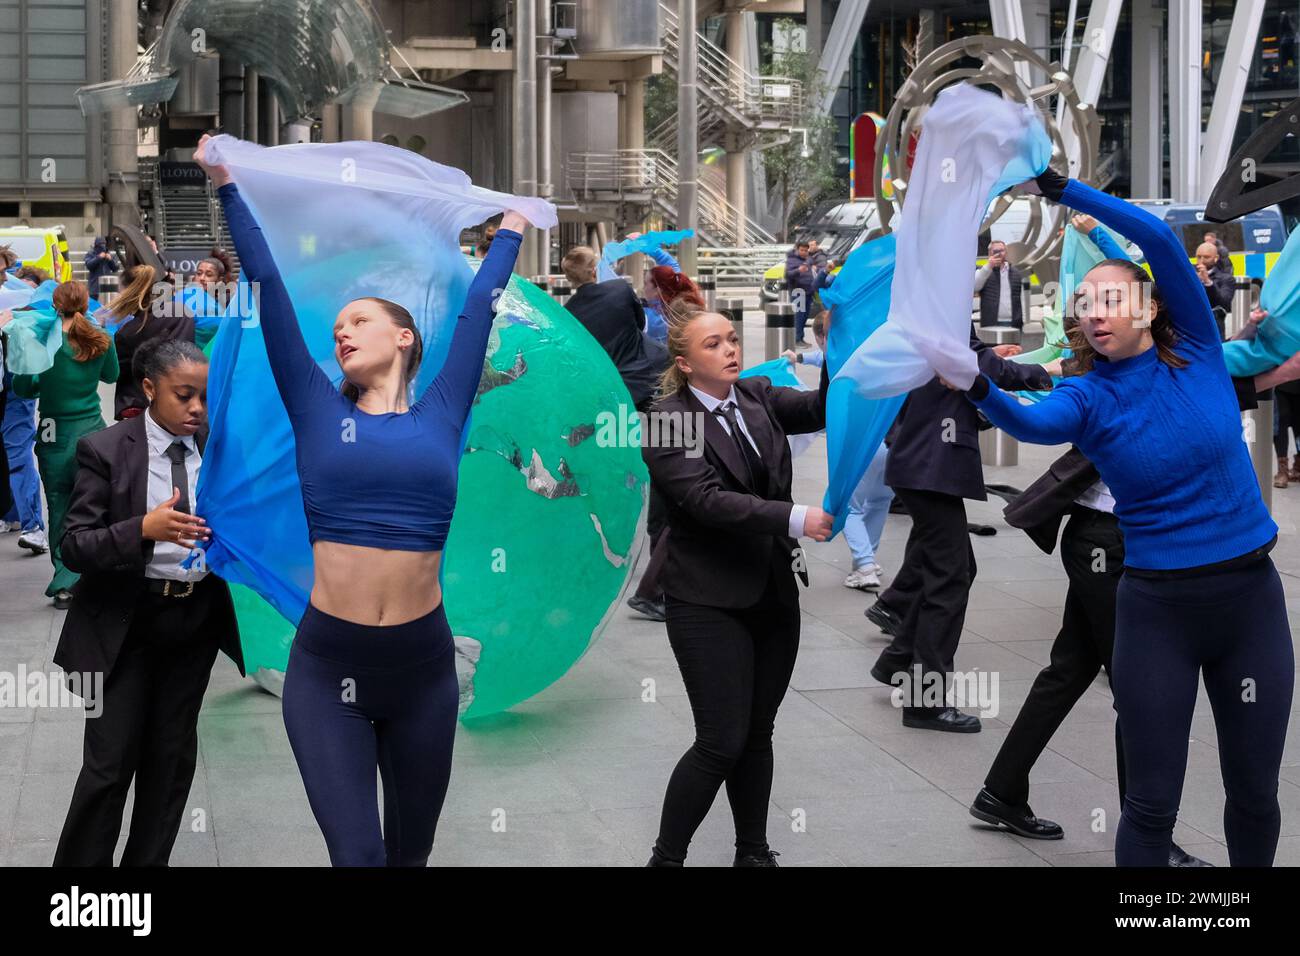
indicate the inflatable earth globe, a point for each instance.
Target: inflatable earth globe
{"x":549,"y":515}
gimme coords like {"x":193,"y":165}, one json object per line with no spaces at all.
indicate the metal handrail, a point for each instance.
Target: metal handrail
{"x":655,"y":172}
{"x":774,"y":99}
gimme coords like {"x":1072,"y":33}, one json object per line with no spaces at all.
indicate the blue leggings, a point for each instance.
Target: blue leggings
{"x":1230,"y":626}
{"x":358,"y":697}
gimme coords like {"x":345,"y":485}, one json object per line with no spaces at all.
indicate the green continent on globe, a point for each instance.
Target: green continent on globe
{"x":549,"y":513}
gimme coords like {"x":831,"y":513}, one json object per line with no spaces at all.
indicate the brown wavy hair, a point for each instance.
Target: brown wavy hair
{"x":87,"y":340}
{"x":137,"y":296}
{"x":414,"y":355}
{"x":1162,"y":327}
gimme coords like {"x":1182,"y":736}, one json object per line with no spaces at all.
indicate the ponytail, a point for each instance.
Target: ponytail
{"x":137,"y":296}
{"x":70,"y":301}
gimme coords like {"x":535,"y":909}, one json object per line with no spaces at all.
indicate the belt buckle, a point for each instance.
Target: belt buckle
{"x":167,"y":589}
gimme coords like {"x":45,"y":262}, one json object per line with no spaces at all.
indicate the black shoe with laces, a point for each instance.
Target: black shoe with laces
{"x":764,"y":857}
{"x":1181,"y":858}
{"x":948,"y":719}
{"x":885,"y":618}
{"x":1018,"y":819}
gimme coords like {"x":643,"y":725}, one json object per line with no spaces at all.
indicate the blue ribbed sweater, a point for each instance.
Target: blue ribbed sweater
{"x":1168,"y":442}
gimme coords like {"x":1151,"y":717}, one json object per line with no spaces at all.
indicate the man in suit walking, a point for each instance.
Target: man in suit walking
{"x":148,"y":624}
{"x":934,"y":464}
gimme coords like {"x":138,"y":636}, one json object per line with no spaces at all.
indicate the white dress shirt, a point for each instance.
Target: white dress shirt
{"x":1098,"y":498}
{"x":711,"y":404}
{"x":1004,"y":294}
{"x":168,"y":555}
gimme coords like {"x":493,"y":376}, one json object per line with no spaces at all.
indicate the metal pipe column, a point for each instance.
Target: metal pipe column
{"x":688,"y":130}
{"x":525,"y":121}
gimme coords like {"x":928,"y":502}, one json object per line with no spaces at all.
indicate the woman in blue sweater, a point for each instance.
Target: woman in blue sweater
{"x":371,"y":680}
{"x":1159,"y":418}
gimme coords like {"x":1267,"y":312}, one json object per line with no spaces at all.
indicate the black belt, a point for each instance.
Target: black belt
{"x":169,"y":588}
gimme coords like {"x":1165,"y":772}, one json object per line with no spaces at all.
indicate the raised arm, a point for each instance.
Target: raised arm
{"x":1056,"y":420}
{"x":1189,"y":309}
{"x":1107,"y":244}
{"x":454,"y":388}
{"x":663,"y":257}
{"x":298,"y":378}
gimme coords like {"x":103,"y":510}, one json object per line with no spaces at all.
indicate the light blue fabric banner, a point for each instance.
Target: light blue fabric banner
{"x":648,"y":243}
{"x":1278,"y":337}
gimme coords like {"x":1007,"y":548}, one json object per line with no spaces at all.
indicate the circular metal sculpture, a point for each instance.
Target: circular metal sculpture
{"x":998,"y":59}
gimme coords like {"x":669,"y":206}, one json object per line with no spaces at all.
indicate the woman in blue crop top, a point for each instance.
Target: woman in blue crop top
{"x":371,"y":680}
{"x":1157,"y":415}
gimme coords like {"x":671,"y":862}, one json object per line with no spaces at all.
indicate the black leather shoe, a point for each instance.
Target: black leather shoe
{"x":761,"y":858}
{"x":1180,"y":857}
{"x":949,"y":719}
{"x":654,"y":610}
{"x":1020,"y":820}
{"x":881,"y":615}
{"x":62,"y":600}
{"x":658,"y":859}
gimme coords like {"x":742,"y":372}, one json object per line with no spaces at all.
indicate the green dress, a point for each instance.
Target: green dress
{"x":69,"y":407}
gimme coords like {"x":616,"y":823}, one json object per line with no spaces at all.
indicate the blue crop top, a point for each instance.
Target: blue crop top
{"x":381,"y":481}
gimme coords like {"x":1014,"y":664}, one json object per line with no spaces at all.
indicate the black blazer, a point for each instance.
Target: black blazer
{"x":102,"y":540}
{"x":611,"y":312}
{"x":721,"y":536}
{"x":934,"y":443}
{"x":1041,"y":507}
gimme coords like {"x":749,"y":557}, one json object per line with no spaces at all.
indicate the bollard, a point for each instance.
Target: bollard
{"x":734,"y":309}
{"x":1256,"y":424}
{"x":779,"y":334}
{"x":542,"y":282}
{"x":561,"y":290}
{"x":708,"y":286}
{"x":109,"y":288}
{"x":783,"y":291}
{"x":996,"y":446}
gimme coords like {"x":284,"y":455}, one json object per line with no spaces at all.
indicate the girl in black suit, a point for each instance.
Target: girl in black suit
{"x":717,"y":452}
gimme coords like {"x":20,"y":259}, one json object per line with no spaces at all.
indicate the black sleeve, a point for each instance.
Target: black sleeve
{"x":800,"y":412}
{"x":89,"y":542}
{"x":1012,"y":376}
{"x":1247,"y":398}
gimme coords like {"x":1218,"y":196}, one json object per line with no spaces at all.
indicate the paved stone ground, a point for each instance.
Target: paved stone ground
{"x":580,"y":770}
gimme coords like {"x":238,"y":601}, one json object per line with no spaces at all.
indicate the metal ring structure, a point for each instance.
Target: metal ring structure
{"x":998,"y":58}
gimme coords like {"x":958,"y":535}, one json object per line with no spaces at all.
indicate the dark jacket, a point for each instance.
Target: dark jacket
{"x":128,"y":339}
{"x":795,"y":277}
{"x":723,"y":535}
{"x":97,"y":268}
{"x":611,"y":312}
{"x":103,"y":540}
{"x":991,"y":297}
{"x":1040,"y":508}
{"x":1220,"y":290}
{"x":934,"y":442}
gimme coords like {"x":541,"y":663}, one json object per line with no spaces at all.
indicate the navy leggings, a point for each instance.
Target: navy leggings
{"x":1230,"y":626}
{"x":358,"y":697}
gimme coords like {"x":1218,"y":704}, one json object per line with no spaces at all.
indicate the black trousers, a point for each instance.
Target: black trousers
{"x":1288,"y":420}
{"x":1092,"y":551}
{"x":147,"y":730}
{"x":736,"y":665}
{"x":932,"y":586}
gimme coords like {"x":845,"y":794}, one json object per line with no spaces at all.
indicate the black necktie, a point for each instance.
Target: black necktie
{"x":177,"y":451}
{"x":747,"y":453}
